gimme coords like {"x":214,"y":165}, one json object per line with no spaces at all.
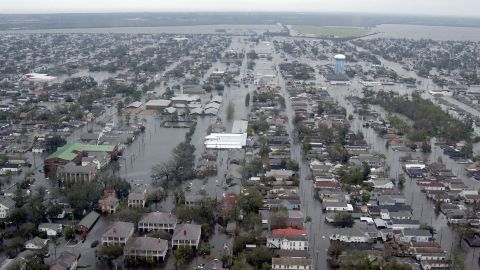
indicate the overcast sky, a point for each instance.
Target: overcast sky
{"x":468,"y":8}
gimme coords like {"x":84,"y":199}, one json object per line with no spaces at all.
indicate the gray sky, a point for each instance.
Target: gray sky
{"x":468,"y":8}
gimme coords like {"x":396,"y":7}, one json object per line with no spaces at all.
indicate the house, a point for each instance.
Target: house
{"x":280,"y":175}
{"x":66,"y":261}
{"x":382,"y":184}
{"x":288,"y":239}
{"x":52,"y":229}
{"x":291,"y":263}
{"x":350,"y":235}
{"x":156,"y":221}
{"x":72,"y":173}
{"x":87,"y":222}
{"x":118,"y":234}
{"x":337,"y":207}
{"x":371,"y":160}
{"x":146,"y":247}
{"x":36,"y":243}
{"x":186,"y":235}
{"x":435,"y":264}
{"x":109,"y":203}
{"x":6,"y":205}
{"x":137,"y":199}
{"x":415,"y":235}
{"x":401,"y":224}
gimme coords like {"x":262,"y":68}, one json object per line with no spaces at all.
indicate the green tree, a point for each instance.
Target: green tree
{"x":108,"y":253}
{"x":230,"y":111}
{"x":247,"y":100}
{"x":183,"y":255}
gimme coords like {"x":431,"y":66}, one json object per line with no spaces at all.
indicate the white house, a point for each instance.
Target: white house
{"x":118,"y":234}
{"x":36,"y":243}
{"x":6,"y":205}
{"x":415,"y":235}
{"x":337,"y":207}
{"x":288,"y":239}
{"x":350,"y":235}
{"x":186,"y":235}
{"x":52,"y":229}
{"x":382,"y":184}
{"x":288,"y":242}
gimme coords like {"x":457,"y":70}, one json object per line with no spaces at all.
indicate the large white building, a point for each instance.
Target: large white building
{"x":225,"y":141}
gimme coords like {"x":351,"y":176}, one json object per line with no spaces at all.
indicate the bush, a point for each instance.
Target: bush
{"x":94,"y":244}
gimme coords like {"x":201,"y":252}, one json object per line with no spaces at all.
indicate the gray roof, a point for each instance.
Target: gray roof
{"x":88,"y":220}
{"x":51,"y":226}
{"x":146,"y":243}
{"x":7,"y":202}
{"x":159,"y":218}
{"x":119,"y":229}
{"x":73,"y":168}
{"x":416,"y":232}
{"x":187,"y":232}
{"x":136,"y":196}
{"x":37,"y":241}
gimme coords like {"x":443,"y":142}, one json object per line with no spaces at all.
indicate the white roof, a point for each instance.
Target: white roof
{"x":239,"y":126}
{"x":158,"y":102}
{"x":225,"y":141}
{"x":135,"y":104}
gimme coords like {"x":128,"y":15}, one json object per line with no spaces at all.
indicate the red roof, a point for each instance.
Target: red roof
{"x":288,"y":231}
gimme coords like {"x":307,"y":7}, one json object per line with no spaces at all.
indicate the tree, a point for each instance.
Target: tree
{"x":183,"y":255}
{"x":344,"y":220}
{"x":69,"y":233}
{"x":120,"y":106}
{"x":52,"y":143}
{"x":247,"y":100}
{"x":259,"y":256}
{"x":108,"y":253}
{"x":230,"y":111}
{"x":251,"y":200}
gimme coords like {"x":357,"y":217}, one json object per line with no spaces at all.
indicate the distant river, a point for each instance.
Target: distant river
{"x":194,"y":29}
{"x":426,"y":32}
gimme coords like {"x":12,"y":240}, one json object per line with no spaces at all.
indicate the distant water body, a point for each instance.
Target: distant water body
{"x":384,"y":31}
{"x":194,"y":29}
{"x":425,"y":32}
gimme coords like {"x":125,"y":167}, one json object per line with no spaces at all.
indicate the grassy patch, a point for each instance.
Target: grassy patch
{"x":331,"y":31}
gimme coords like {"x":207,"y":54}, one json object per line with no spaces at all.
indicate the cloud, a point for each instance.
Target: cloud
{"x":428,"y":7}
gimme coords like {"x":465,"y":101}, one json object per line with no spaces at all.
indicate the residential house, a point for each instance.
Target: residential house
{"x":7,"y":204}
{"x":36,"y":243}
{"x":288,"y":239}
{"x":350,"y":235}
{"x":415,"y":235}
{"x":146,"y":247}
{"x":186,"y":235}
{"x":156,"y":221}
{"x":52,"y":229}
{"x":337,"y":207}
{"x":109,"y":203}
{"x":118,"y":234}
{"x":137,"y":199}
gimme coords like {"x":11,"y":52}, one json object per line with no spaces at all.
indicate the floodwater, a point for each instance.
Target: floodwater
{"x":425,"y":32}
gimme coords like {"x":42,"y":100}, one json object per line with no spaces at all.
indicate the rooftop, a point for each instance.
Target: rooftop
{"x":70,"y":151}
